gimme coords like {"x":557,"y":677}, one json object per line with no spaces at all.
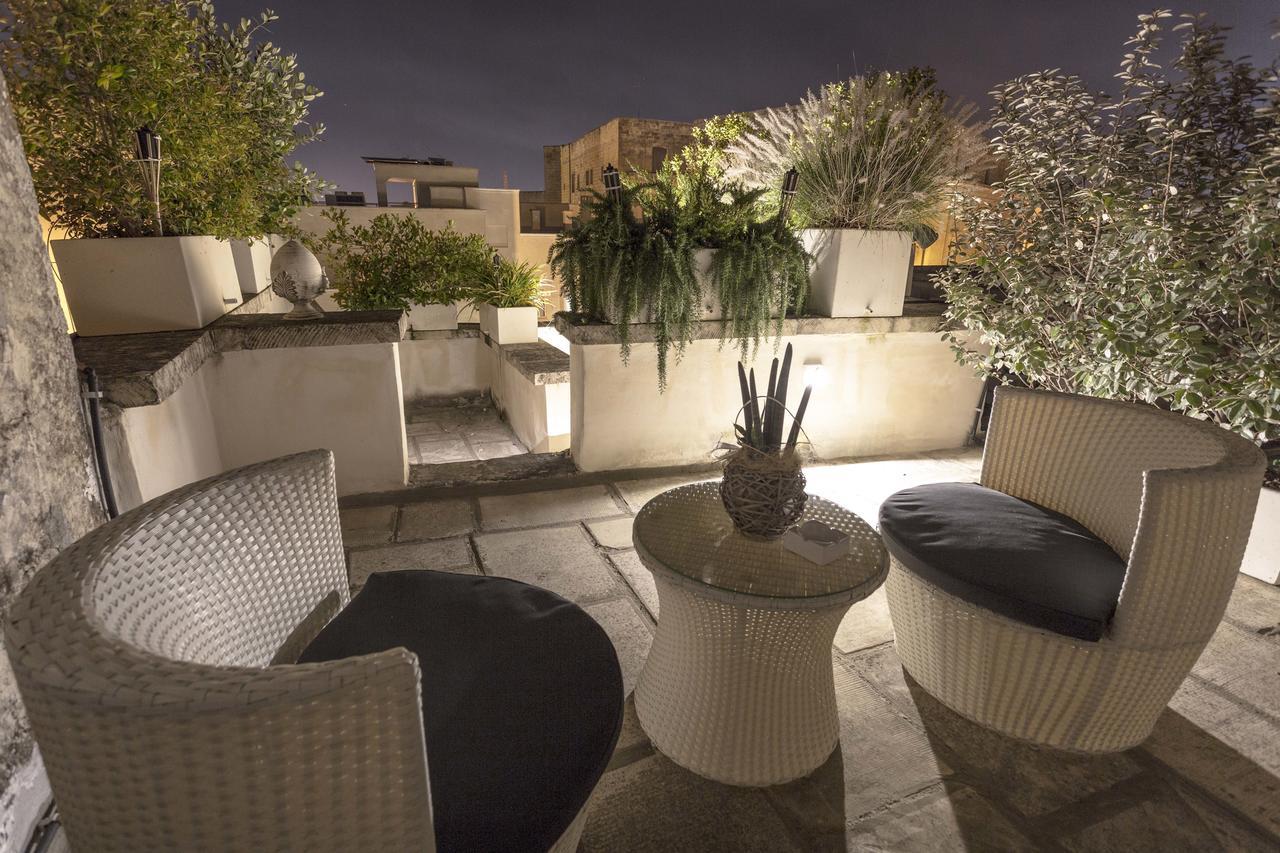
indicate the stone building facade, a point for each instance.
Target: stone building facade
{"x":48,"y":488}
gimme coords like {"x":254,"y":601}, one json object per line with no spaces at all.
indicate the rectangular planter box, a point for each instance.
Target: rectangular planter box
{"x":253,"y":264}
{"x":120,"y":286}
{"x":858,"y":273}
{"x":433,"y":317}
{"x":509,"y":325}
{"x":1262,"y":557}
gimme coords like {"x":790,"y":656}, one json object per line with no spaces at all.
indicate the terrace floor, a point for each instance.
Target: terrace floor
{"x":909,"y":774}
{"x":462,"y":431}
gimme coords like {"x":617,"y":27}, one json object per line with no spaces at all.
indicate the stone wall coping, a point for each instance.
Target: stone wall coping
{"x":539,"y":362}
{"x":916,"y":317}
{"x":145,"y":369}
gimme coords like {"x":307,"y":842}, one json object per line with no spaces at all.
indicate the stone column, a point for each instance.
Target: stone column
{"x":48,"y":490}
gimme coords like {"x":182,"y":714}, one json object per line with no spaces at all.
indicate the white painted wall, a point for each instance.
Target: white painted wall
{"x":444,"y":367}
{"x":1262,"y":557}
{"x":887,"y":393}
{"x":537,"y":414}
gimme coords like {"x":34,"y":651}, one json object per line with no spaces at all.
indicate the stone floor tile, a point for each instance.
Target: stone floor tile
{"x":436,"y":520}
{"x":428,"y":428}
{"x":496,"y":449}
{"x":1243,"y":664}
{"x":1036,"y":780}
{"x":813,"y":806}
{"x":633,"y":743}
{"x":865,"y":625}
{"x":498,"y":512}
{"x":557,"y":558}
{"x":630,"y":634}
{"x":367,"y":525}
{"x":639,"y":492}
{"x":431,"y":451}
{"x":884,"y":756}
{"x":1255,"y":607}
{"x":655,"y":806}
{"x":1223,"y":747}
{"x":941,"y":819}
{"x":440,"y":554}
{"x":1231,"y":831}
{"x":612,"y":533}
{"x":638,"y":578}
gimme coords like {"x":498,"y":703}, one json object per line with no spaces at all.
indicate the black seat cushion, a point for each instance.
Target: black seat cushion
{"x":1008,"y":555}
{"x":521,"y":700}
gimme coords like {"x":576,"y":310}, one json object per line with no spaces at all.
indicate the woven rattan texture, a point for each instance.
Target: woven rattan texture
{"x":686,"y":531}
{"x":1174,"y":495}
{"x":762,"y":497}
{"x":141,"y":655}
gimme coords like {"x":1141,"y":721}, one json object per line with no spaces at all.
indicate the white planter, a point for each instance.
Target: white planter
{"x":858,"y":273}
{"x":117,"y":286}
{"x":509,"y":325}
{"x":433,"y":317}
{"x":711,"y":307}
{"x":253,"y":264}
{"x":1262,"y":557}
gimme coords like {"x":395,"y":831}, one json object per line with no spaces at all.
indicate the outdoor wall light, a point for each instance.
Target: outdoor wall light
{"x":612,"y":183}
{"x":790,"y":181}
{"x":815,"y":374}
{"x":147,"y":154}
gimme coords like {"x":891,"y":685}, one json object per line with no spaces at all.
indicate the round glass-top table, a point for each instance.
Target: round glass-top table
{"x":738,"y":684}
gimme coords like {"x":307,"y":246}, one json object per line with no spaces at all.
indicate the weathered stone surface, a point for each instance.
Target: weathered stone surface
{"x":540,"y":362}
{"x":442,"y":555}
{"x":372,"y":525}
{"x":504,"y":511}
{"x":48,"y":488}
{"x":639,"y":492}
{"x":557,"y":558}
{"x":630,"y":634}
{"x":655,"y":806}
{"x":941,"y":819}
{"x":1255,"y":608}
{"x":612,"y":533}
{"x":496,"y":449}
{"x":526,"y":466}
{"x":866,"y":624}
{"x":638,"y":578}
{"x":432,"y":450}
{"x":633,"y":743}
{"x":1243,"y":664}
{"x":435,"y":520}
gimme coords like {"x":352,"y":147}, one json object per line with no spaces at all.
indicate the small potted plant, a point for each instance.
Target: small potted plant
{"x":509,"y":298}
{"x":763,"y":485}
{"x":877,"y":159}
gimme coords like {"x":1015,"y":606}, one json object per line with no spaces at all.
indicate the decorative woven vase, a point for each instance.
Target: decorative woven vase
{"x":763,"y":494}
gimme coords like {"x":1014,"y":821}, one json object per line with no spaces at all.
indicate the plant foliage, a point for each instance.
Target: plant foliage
{"x":395,"y":262}
{"x":883,"y":151}
{"x":85,"y":74}
{"x":1132,"y":250}
{"x":509,"y":284}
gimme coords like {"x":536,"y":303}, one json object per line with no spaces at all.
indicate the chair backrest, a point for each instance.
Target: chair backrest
{"x":142,"y":656}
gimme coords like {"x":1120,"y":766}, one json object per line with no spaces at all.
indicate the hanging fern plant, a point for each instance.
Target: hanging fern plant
{"x":760,"y":276}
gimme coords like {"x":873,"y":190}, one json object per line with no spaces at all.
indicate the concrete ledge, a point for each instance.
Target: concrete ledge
{"x":145,"y":369}
{"x":464,"y":330}
{"x":916,"y":317}
{"x":540,"y":362}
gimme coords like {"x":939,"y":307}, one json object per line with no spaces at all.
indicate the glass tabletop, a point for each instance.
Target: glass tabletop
{"x":687,"y":531}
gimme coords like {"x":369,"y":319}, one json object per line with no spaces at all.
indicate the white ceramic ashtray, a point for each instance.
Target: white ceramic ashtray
{"x":816,"y":542}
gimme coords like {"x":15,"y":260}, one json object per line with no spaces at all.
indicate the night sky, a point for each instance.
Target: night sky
{"x":488,"y":84}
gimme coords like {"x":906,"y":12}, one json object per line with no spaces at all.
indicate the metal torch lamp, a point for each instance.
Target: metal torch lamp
{"x":147,"y":154}
{"x":612,"y":183}
{"x":790,"y":181}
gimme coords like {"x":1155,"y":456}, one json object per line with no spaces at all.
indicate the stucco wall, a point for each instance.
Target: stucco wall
{"x":443,"y":367}
{"x":48,"y":491}
{"x":885,"y":393}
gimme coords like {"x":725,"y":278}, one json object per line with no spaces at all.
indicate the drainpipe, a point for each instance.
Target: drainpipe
{"x":93,"y":397}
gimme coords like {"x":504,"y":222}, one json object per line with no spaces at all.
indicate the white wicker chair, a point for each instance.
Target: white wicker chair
{"x":1173,"y":496}
{"x":142,"y":654}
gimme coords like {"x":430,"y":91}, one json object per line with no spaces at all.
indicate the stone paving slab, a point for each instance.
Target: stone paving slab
{"x":950,"y":818}
{"x":1255,"y":607}
{"x":638,"y":578}
{"x":436,"y":520}
{"x":866,"y":624}
{"x":500,"y":512}
{"x":371,"y":525}
{"x":557,"y":558}
{"x":630,"y":634}
{"x":440,"y":554}
{"x":639,"y":492}
{"x":1244,"y":665}
{"x":613,"y":533}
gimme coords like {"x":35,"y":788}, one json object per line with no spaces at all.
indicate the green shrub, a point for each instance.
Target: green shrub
{"x":883,"y":151}
{"x":1132,"y":250}
{"x":509,"y":284}
{"x":395,"y":262}
{"x":85,"y":74}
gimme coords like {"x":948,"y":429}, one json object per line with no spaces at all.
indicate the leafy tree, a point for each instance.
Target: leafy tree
{"x":1132,"y":249}
{"x":85,"y":74}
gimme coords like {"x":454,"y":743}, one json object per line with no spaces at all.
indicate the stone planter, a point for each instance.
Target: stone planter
{"x":711,"y":307}
{"x":146,"y":284}
{"x":858,"y":273}
{"x":1262,"y":557}
{"x":509,"y":325}
{"x":253,"y":264}
{"x":433,"y":317}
